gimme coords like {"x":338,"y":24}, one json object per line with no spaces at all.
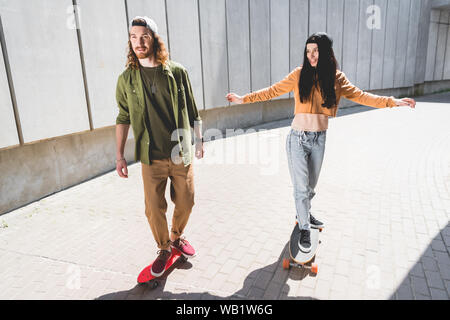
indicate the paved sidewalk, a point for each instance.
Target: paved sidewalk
{"x":384,"y":194}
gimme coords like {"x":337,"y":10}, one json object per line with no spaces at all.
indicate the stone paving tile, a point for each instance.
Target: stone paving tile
{"x":386,"y":207}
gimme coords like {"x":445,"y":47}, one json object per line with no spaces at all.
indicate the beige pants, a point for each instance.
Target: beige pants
{"x":155,"y":177}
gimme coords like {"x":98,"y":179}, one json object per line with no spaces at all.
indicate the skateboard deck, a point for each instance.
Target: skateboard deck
{"x":146,"y":275}
{"x":299,"y":258}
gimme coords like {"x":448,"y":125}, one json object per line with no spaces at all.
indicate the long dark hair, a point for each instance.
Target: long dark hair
{"x":324,"y":74}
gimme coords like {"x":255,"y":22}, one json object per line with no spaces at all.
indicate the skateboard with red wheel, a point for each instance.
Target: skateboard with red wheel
{"x":146,"y":275}
{"x":298,"y":258}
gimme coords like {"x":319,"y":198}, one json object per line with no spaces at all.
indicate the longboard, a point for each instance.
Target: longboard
{"x":297,"y":257}
{"x":146,"y":275}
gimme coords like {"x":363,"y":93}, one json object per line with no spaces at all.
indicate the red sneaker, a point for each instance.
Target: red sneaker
{"x":159,"y":265}
{"x":182,"y":245}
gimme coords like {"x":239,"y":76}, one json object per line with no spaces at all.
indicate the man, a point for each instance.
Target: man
{"x":154,"y":95}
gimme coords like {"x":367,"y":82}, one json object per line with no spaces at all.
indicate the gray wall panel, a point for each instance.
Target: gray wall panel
{"x":432,"y":44}
{"x":238,"y":34}
{"x":441,"y":45}
{"x":447,"y":55}
{"x":279,"y":43}
{"x":350,"y":38}
{"x":389,"y":63}
{"x":8,"y":131}
{"x":298,"y":31}
{"x":260,"y":43}
{"x":402,"y":43}
{"x":335,"y":17}
{"x":378,"y":36}
{"x":45,"y":66}
{"x":364,"y":47}
{"x":104,"y":39}
{"x":413,"y":34}
{"x":317,"y":16}
{"x":214,"y":52}
{"x":435,"y":15}
{"x":154,"y":9}
{"x":182,"y":16}
{"x":422,"y":41}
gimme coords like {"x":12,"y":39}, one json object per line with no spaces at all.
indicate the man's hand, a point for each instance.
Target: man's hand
{"x":121,"y":168}
{"x":406,"y":102}
{"x":199,"y":149}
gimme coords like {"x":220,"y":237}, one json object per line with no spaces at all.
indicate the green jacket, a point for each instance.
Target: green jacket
{"x":132,"y":110}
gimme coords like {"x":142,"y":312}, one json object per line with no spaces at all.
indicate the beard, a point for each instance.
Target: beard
{"x":142,"y":54}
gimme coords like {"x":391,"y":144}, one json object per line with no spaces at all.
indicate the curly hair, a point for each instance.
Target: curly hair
{"x":159,"y":51}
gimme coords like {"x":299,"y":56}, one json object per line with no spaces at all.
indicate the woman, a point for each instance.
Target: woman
{"x":318,"y":87}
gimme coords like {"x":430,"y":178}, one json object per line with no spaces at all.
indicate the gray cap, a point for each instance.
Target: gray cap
{"x":150,"y":23}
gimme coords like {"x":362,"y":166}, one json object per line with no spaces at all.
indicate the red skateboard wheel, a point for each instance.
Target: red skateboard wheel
{"x":286,"y":264}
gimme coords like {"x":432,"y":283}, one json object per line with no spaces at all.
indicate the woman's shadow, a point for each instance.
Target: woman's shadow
{"x":269,"y":282}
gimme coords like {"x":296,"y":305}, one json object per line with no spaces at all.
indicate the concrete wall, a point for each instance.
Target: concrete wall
{"x":44,"y":59}
{"x":104,"y":42}
{"x":183,"y":15}
{"x":213,"y":34}
{"x":226,"y":45}
{"x":259,"y":44}
{"x":279,"y":41}
{"x":238,"y":44}
{"x":59,"y":67}
{"x":438,"y":56}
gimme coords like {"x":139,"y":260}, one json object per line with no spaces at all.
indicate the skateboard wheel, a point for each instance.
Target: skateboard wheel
{"x":153,"y":284}
{"x":320,"y":229}
{"x":286,"y":264}
{"x":314,"y":268}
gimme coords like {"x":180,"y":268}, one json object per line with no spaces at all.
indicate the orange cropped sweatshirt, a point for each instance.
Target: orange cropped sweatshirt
{"x":343,"y":88}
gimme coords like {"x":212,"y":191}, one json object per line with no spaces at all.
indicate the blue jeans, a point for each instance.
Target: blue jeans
{"x":305,"y":151}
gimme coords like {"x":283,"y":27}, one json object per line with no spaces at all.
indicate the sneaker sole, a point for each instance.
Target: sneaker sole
{"x":302,"y":249}
{"x":158,"y":274}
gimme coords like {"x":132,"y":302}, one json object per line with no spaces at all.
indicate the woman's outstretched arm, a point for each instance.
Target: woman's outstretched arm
{"x":351,"y":92}
{"x":284,"y":86}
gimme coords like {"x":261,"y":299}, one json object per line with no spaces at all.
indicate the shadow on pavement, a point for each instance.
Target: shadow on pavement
{"x":430,"y":276}
{"x":265,"y":283}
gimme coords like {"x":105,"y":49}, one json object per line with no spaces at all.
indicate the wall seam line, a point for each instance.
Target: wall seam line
{"x":201,"y":53}
{"x":83,"y":65}
{"x":12,"y":91}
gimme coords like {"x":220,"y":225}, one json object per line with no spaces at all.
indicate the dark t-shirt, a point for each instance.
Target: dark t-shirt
{"x":159,"y":112}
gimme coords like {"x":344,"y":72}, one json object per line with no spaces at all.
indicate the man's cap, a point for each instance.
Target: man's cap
{"x":150,"y":24}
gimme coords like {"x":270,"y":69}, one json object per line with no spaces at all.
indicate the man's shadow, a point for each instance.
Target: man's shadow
{"x":269,"y":282}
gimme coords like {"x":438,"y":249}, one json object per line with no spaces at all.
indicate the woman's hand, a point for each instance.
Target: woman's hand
{"x":406,"y":102}
{"x":232,"y":97}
